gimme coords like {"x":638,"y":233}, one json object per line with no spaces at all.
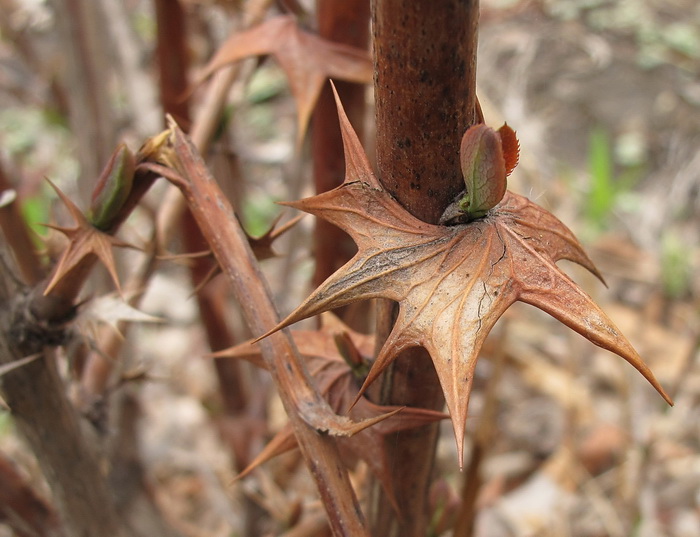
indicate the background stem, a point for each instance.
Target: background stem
{"x":425,"y":80}
{"x":347,"y":22}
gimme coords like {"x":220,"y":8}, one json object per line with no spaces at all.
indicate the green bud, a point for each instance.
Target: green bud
{"x":113,"y":188}
{"x":486,"y":157}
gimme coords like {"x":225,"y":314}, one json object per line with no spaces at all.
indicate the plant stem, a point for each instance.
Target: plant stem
{"x":172,"y":56}
{"x":344,"y":22}
{"x":85,"y":44}
{"x":425,"y":80}
{"x":301,"y":400}
{"x":425,"y":68}
{"x":46,"y":419}
{"x":18,"y":236}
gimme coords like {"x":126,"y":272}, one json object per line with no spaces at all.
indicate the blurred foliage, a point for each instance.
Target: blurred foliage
{"x":36,"y":211}
{"x":661,"y":36}
{"x":5,"y":423}
{"x":676,"y":266}
{"x":607,"y":186}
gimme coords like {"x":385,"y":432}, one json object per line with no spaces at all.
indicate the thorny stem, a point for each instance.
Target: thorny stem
{"x":230,"y":245}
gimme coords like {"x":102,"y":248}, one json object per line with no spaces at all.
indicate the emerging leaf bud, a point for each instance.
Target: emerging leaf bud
{"x":112,"y":189}
{"x":487,"y":157}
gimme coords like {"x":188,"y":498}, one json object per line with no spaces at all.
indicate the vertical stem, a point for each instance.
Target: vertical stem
{"x":18,"y":236}
{"x":425,"y":68}
{"x":46,"y":419}
{"x":172,"y":59}
{"x":347,"y":22}
{"x":172,"y":65}
{"x":425,"y":79}
{"x":85,"y":50}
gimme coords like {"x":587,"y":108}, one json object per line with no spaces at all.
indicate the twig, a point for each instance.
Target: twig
{"x":301,"y":400}
{"x":46,"y":419}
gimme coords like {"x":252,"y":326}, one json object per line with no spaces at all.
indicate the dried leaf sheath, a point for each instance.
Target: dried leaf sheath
{"x":307,"y":59}
{"x":336,"y":381}
{"x":308,"y":411}
{"x":452,"y":282}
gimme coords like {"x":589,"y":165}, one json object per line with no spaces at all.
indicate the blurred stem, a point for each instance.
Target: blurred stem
{"x":29,"y":513}
{"x":46,"y":419}
{"x":205,"y":124}
{"x":483,"y":439}
{"x":17,"y":234}
{"x":425,"y":79}
{"x":84,"y":44}
{"x":347,"y":22}
{"x":172,"y":64}
{"x":171,"y":51}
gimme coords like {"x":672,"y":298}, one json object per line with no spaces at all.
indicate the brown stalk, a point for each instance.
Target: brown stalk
{"x":172,"y":57}
{"x":344,"y":22}
{"x":214,"y":216}
{"x":425,"y":80}
{"x":17,"y":235}
{"x":46,"y":419}
{"x":31,"y":323}
{"x":171,"y":53}
{"x":205,"y":125}
{"x":483,"y":439}
{"x":83,"y":39}
{"x":21,"y":508}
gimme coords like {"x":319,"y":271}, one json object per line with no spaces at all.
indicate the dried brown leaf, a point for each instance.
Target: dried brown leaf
{"x":85,"y":240}
{"x":336,"y":381}
{"x":307,"y":60}
{"x":452,"y":283}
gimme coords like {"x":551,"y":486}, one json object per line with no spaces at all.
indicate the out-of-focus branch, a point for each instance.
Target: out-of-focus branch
{"x":205,"y":124}
{"x":21,"y":508}
{"x":45,"y":418}
{"x":17,"y":234}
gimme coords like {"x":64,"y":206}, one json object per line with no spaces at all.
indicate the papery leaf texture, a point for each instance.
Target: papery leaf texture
{"x":452,"y":283}
{"x":85,"y":240}
{"x":336,"y":381}
{"x":307,"y":60}
{"x":110,"y":310}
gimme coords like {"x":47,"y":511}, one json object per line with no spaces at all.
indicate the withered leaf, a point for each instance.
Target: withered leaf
{"x":111,"y":310}
{"x":336,"y":381}
{"x":307,"y":60}
{"x":85,"y":240}
{"x":452,"y":283}
{"x":261,"y":246}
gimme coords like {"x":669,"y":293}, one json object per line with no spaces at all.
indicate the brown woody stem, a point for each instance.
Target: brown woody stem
{"x":344,"y":22}
{"x":215,"y":217}
{"x":17,"y":234}
{"x":425,"y":79}
{"x":46,"y":419}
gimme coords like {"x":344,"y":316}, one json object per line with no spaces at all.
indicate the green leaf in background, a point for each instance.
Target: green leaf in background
{"x":601,"y":196}
{"x":676,"y":266}
{"x":36,"y":211}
